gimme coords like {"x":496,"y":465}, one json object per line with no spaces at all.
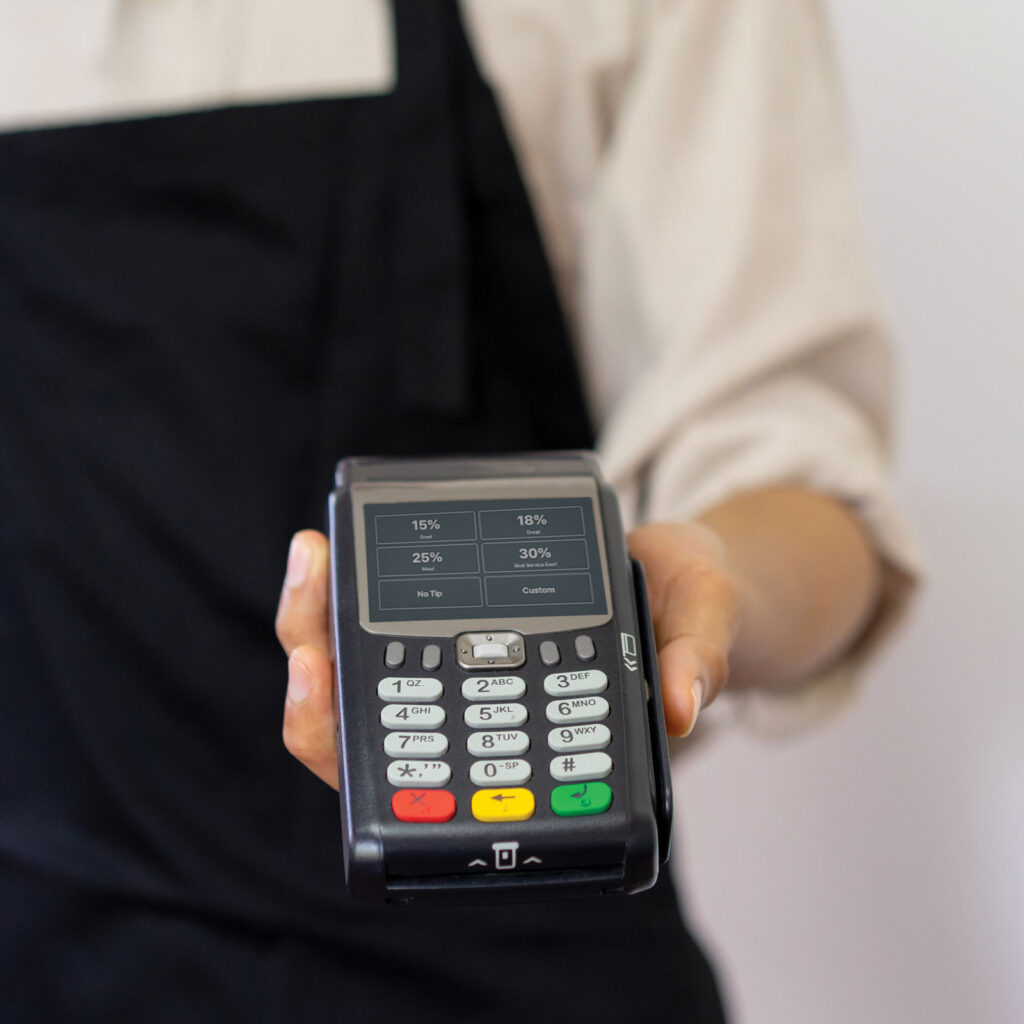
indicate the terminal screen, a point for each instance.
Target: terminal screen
{"x":469,"y":560}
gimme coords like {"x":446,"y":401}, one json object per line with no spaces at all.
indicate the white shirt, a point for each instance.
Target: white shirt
{"x":690,"y":171}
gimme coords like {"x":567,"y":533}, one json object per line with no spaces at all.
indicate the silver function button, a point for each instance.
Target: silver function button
{"x":549,"y":653}
{"x":482,"y":651}
{"x":580,"y":767}
{"x":512,"y":771}
{"x":424,"y":774}
{"x":498,"y":744}
{"x":493,"y":687}
{"x":495,"y":649}
{"x":415,"y":744}
{"x":394,"y":654}
{"x":431,"y":659}
{"x":412,"y":716}
{"x":491,"y":716}
{"x":408,"y":689}
{"x":577,"y":709}
{"x":579,"y":737}
{"x":575,"y":684}
{"x":585,"y":649}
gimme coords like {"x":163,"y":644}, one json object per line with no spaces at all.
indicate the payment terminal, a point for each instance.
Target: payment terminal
{"x":500,"y":733}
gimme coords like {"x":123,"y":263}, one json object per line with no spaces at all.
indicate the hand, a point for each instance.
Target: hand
{"x":693,"y":602}
{"x":310,"y":716}
{"x":696,"y":607}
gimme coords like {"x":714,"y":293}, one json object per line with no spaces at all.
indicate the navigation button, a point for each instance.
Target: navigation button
{"x":490,"y":650}
{"x":503,"y":649}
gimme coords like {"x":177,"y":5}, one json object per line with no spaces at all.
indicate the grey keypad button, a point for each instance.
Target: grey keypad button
{"x":549,"y":653}
{"x":422,"y":774}
{"x":431,"y":660}
{"x":415,"y":744}
{"x":412,"y":716}
{"x":394,"y":654}
{"x":493,"y":687}
{"x":408,"y":689}
{"x":580,"y":767}
{"x":579,"y":737}
{"x":494,"y":716}
{"x":585,"y":649}
{"x":498,"y":744}
{"x":575,"y":684}
{"x":508,"y":772}
{"x":577,"y":709}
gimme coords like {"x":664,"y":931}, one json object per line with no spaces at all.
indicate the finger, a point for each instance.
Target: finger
{"x":695,"y":609}
{"x":694,"y":626}
{"x":692,"y":674}
{"x":303,"y":607}
{"x":310,"y":725}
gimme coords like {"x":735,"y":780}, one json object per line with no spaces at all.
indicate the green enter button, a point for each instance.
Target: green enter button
{"x":581,"y":798}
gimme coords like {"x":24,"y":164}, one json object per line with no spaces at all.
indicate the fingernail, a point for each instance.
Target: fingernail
{"x":300,"y":558}
{"x":300,"y":682}
{"x":697,"y":696}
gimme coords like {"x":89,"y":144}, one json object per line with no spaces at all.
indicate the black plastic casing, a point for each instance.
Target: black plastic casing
{"x":390,"y":861}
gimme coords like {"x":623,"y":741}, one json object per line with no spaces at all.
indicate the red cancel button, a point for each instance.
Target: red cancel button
{"x":423,"y":805}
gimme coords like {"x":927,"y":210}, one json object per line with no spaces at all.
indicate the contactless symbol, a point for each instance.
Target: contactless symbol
{"x":629,"y":652}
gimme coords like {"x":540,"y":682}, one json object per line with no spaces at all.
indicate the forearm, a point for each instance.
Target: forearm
{"x":808,"y":577}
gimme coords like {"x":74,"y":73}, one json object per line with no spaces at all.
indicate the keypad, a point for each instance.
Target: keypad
{"x":417,"y":716}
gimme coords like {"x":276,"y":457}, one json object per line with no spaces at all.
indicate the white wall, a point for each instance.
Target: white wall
{"x":873,"y":871}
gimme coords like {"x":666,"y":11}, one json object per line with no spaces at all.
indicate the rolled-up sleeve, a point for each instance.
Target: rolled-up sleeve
{"x":735,"y":336}
{"x":691,"y":172}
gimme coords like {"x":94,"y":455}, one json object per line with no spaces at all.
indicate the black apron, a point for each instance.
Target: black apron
{"x":199,"y":314}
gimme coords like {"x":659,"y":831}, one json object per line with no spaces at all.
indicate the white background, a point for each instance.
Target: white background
{"x":872,"y":871}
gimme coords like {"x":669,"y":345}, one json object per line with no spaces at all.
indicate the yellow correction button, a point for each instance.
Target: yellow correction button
{"x":503,"y":804}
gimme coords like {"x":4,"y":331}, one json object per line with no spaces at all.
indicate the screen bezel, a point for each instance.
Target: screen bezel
{"x":470,"y":490}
